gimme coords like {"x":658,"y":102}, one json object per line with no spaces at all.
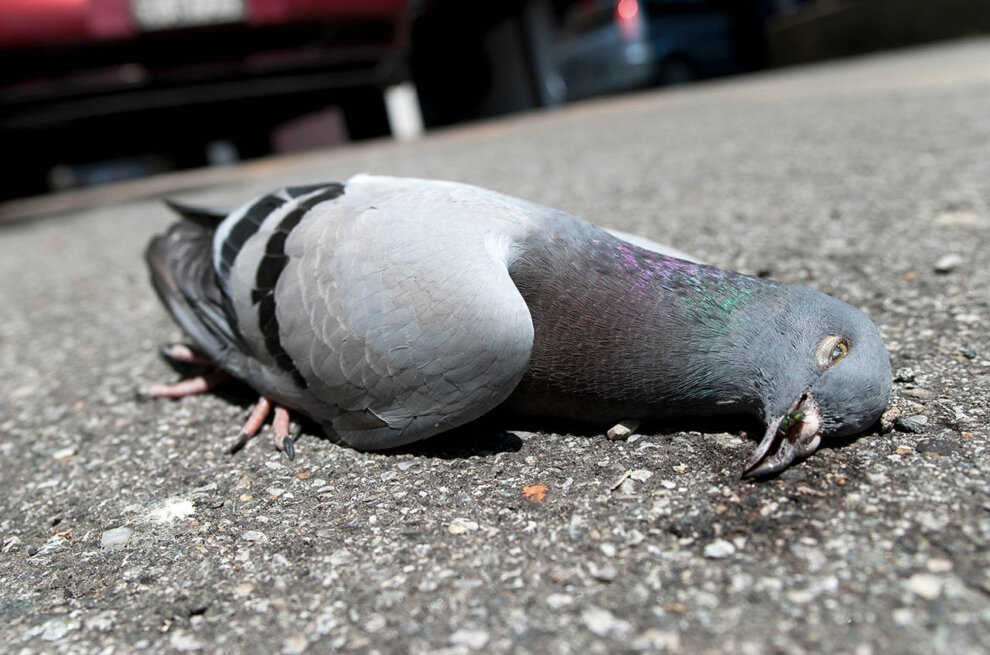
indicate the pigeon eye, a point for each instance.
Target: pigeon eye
{"x":832,"y":349}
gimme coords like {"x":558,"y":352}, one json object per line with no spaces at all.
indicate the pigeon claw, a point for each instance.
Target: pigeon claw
{"x":239,"y":443}
{"x":285,"y":432}
{"x":795,"y":434}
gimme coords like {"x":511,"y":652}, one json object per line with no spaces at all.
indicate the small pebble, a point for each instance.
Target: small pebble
{"x":116,"y":537}
{"x":184,"y":642}
{"x":939,"y":565}
{"x":800,"y":596}
{"x":719,"y":549}
{"x":641,"y":475}
{"x":657,"y":641}
{"x":54,"y":630}
{"x":622,"y":430}
{"x":903,"y":616}
{"x":967,"y":352}
{"x":375,"y":624}
{"x":473,"y":639}
{"x":294,"y":645}
{"x":460,"y":526}
{"x":913,"y":423}
{"x":254,"y":535}
{"x":905,"y":374}
{"x":956,"y":218}
{"x":925,"y":585}
{"x":602,"y":622}
{"x":558,"y":601}
{"x":103,"y":622}
{"x":341,"y":557}
{"x":948,"y":263}
{"x":605,"y":573}
{"x":53,"y":544}
{"x":889,"y":419}
{"x":67,"y":452}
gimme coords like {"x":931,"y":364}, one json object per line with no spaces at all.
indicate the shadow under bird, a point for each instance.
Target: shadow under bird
{"x":390,"y":310}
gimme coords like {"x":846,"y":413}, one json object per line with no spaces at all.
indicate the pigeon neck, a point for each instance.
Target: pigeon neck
{"x":622,"y":332}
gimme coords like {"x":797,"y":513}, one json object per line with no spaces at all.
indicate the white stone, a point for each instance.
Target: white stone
{"x":903,"y":616}
{"x":171,"y":510}
{"x":800,"y":596}
{"x":53,"y":544}
{"x":956,"y":218}
{"x":103,"y":621}
{"x":939,"y":565}
{"x":719,"y":549}
{"x":558,"y":601}
{"x":602,"y":622}
{"x":461,"y":525}
{"x":184,"y":642}
{"x":948,"y":263}
{"x":54,"y":630}
{"x":116,"y":537}
{"x":473,"y":639}
{"x":295,"y":645}
{"x":64,"y":453}
{"x":926,"y":585}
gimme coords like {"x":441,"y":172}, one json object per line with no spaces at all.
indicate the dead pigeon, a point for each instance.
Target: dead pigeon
{"x":390,"y":310}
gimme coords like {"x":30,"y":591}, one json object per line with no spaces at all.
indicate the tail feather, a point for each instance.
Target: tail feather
{"x":206,"y":217}
{"x":182,"y":273}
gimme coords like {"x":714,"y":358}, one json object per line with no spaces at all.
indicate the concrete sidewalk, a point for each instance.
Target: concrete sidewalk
{"x":124,"y":526}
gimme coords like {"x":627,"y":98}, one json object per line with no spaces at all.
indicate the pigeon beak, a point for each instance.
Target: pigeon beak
{"x":794,"y":435}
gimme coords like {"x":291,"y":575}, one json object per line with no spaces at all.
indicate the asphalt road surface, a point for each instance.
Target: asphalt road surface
{"x":124,"y":526}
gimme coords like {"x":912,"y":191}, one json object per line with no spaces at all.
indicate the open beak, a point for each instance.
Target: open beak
{"x":794,"y":435}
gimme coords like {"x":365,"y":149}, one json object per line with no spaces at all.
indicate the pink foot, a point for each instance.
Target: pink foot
{"x":179,"y":352}
{"x":284,"y":437}
{"x":189,"y":387}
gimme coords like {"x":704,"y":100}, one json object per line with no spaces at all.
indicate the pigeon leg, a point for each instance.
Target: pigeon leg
{"x":284,"y":434}
{"x":189,"y":387}
{"x":180,"y":353}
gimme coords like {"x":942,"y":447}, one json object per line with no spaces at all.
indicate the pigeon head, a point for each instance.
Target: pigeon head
{"x":828,"y":376}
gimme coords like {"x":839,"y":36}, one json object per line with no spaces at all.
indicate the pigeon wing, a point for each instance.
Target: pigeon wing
{"x":393,"y":309}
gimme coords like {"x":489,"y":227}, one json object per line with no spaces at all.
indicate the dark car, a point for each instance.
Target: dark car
{"x":614,"y":45}
{"x":114,"y":80}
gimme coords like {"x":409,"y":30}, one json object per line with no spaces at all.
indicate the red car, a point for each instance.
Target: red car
{"x":89,"y":80}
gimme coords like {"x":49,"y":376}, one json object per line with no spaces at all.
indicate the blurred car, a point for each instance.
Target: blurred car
{"x":113,"y":80}
{"x":615,"y":45}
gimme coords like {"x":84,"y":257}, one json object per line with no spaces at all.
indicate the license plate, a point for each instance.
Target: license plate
{"x":171,"y":14}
